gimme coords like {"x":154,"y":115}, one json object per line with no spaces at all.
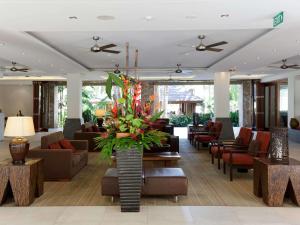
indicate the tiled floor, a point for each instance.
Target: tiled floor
{"x":152,"y":215}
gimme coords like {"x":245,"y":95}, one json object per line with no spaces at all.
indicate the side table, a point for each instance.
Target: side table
{"x":272,"y":181}
{"x":26,"y":181}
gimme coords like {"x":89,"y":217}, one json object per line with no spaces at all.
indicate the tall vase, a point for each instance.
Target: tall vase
{"x":279,"y":148}
{"x":129,"y":166}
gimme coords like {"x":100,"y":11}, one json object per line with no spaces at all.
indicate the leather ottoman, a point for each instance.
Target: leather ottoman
{"x":156,"y":181}
{"x":165,"y":181}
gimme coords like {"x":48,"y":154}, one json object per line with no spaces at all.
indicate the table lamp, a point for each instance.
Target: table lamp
{"x":100,"y":113}
{"x":19,"y":127}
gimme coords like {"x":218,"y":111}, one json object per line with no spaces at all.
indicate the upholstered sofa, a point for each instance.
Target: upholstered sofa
{"x":60,"y":164}
{"x":89,"y":132}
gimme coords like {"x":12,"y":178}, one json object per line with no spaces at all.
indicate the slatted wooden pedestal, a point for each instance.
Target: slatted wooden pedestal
{"x":26,"y":181}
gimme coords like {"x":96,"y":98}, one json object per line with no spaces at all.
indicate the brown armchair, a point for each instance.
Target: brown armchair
{"x":60,"y":164}
{"x":242,"y":141}
{"x":239,"y":158}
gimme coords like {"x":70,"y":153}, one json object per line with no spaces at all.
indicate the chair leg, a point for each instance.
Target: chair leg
{"x":219,"y":162}
{"x":231,"y":173}
{"x":212,"y":158}
{"x":224,"y":167}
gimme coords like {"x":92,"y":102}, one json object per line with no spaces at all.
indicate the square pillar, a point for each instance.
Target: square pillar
{"x":222,"y":105}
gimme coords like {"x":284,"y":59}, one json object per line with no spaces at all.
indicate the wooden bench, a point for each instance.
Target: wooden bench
{"x":168,"y":158}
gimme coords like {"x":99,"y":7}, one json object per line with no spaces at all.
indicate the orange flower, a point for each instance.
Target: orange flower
{"x":151,"y":98}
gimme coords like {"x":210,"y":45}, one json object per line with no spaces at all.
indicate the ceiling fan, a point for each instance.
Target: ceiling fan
{"x":97,"y":48}
{"x":15,"y":68}
{"x":284,"y":66}
{"x":201,"y":47}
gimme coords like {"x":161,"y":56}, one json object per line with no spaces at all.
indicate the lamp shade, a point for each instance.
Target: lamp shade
{"x":100,"y":112}
{"x":19,"y":126}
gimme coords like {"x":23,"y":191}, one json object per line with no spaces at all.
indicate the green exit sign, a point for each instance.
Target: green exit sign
{"x":278,"y":19}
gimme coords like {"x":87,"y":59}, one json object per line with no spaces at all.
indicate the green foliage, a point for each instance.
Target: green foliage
{"x":234,"y":117}
{"x":181,"y":120}
{"x":205,"y":117}
{"x":112,"y":79}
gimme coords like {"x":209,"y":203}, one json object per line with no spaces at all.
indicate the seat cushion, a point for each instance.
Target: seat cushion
{"x":55,"y":145}
{"x":205,"y":138}
{"x":238,"y":158}
{"x":66,"y":144}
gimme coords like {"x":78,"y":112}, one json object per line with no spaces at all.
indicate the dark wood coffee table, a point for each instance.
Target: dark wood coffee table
{"x":168,"y":158}
{"x":26,"y":181}
{"x":274,"y":181}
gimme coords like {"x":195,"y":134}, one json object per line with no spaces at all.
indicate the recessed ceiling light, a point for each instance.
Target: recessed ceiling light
{"x":245,"y":63}
{"x":51,"y":65}
{"x":23,"y":53}
{"x":187,"y":53}
{"x":105,"y":17}
{"x":224,"y":15}
{"x":148,"y":18}
{"x":2,"y":44}
{"x":73,"y":17}
{"x":191,"y":17}
{"x":258,"y":58}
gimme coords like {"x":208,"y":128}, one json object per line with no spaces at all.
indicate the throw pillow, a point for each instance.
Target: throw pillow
{"x":55,"y":146}
{"x":66,"y":144}
{"x":254,"y":148}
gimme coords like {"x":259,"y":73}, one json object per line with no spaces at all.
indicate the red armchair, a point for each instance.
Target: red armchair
{"x":213,"y":135}
{"x":241,"y":141}
{"x":193,"y":131}
{"x":244,"y":159}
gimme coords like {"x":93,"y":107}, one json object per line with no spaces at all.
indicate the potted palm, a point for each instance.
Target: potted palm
{"x":128,"y":133}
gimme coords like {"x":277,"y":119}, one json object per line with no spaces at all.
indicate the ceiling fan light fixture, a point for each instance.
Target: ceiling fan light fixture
{"x":95,"y":48}
{"x":178,"y":69}
{"x":117,"y":71}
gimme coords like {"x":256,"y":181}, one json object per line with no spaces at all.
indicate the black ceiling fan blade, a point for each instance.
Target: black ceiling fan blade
{"x":277,"y":67}
{"x":107,"y":46}
{"x":217,"y":44}
{"x":214,"y":49}
{"x":295,"y":67}
{"x":292,"y":66}
{"x":111,"y":51}
{"x":23,"y":70}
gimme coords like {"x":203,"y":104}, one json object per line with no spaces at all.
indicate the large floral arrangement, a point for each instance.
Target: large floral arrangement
{"x":128,"y":121}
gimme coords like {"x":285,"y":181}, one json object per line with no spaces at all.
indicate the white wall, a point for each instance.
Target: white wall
{"x":15,"y":97}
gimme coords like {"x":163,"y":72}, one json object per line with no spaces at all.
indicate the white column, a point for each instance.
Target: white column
{"x":221,"y":94}
{"x":291,"y":98}
{"x":74,"y":92}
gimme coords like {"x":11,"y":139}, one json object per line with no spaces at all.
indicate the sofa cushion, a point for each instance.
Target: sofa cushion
{"x":55,"y":145}
{"x":51,"y":138}
{"x":66,"y":144}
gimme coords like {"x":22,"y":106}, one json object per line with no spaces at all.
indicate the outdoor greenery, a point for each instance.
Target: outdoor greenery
{"x":234,"y":117}
{"x":128,"y":122}
{"x":89,"y":106}
{"x":181,"y":120}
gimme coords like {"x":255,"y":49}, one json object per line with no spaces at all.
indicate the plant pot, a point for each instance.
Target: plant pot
{"x":129,"y":166}
{"x":294,"y":123}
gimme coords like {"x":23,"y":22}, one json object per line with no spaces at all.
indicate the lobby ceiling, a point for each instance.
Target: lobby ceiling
{"x":54,"y":37}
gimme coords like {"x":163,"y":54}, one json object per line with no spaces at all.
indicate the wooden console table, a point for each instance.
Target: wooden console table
{"x":26,"y":181}
{"x":274,"y":181}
